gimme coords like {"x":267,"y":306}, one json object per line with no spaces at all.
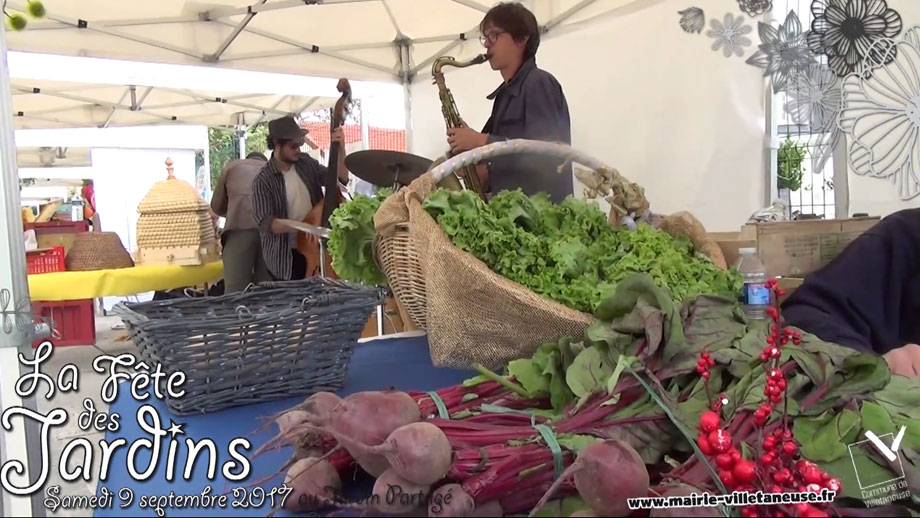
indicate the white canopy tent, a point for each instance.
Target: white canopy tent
{"x":390,"y":40}
{"x":57,"y":104}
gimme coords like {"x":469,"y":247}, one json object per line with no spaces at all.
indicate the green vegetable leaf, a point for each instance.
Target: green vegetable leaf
{"x":911,"y":438}
{"x":469,"y":397}
{"x":559,"y":392}
{"x":529,"y":376}
{"x":576,"y":443}
{"x":475,"y":380}
{"x":351,"y":240}
{"x":845,"y":468}
{"x":876,"y":419}
{"x":622,"y":363}
{"x":862,"y":374}
{"x":588,"y":374}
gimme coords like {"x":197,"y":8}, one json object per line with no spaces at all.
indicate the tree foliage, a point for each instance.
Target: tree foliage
{"x":225,"y":146}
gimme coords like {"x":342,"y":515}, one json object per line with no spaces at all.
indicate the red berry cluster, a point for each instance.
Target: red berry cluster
{"x":736,"y":472}
{"x":775,"y":388}
{"x":780,"y":468}
{"x":704,"y":364}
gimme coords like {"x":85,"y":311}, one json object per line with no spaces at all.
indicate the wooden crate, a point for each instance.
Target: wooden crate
{"x":793,"y":248}
{"x":180,"y":256}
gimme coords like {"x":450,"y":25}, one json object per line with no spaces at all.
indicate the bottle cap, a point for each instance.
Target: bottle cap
{"x":747,"y":251}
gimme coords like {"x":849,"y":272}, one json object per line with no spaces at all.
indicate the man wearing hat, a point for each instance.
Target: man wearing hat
{"x":287,"y":188}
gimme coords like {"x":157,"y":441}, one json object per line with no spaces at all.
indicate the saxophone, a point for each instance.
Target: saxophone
{"x":467,"y":175}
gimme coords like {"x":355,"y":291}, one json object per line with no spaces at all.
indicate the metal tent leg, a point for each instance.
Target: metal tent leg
{"x":22,"y":442}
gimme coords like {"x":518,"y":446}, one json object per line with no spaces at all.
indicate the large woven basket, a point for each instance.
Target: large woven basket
{"x":97,"y":251}
{"x":399,"y":261}
{"x":272,"y":341}
{"x":472,"y":314}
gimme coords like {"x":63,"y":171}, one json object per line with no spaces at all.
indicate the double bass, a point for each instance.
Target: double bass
{"x":333,"y":197}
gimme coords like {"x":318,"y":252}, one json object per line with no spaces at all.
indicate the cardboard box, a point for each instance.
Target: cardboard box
{"x":789,"y":284}
{"x":793,"y":248}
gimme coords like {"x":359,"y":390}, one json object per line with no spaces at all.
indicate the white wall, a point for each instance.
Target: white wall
{"x":878,"y":196}
{"x":652,"y":101}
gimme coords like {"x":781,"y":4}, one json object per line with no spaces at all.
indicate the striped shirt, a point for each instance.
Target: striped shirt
{"x":269,"y":201}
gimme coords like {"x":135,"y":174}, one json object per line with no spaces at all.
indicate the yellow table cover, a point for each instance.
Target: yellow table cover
{"x":119,"y":282}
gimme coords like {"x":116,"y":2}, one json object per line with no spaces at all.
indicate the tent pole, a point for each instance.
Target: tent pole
{"x":405,"y":67}
{"x":15,"y":290}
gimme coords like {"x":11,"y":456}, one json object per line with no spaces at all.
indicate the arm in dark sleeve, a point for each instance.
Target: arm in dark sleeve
{"x":219,"y":199}
{"x":262,"y":210}
{"x":856,"y":300}
{"x":546,"y":117}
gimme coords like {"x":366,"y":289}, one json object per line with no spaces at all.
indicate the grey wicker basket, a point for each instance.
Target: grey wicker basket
{"x":272,"y":341}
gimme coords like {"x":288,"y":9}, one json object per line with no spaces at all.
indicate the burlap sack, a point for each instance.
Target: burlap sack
{"x":474,"y":314}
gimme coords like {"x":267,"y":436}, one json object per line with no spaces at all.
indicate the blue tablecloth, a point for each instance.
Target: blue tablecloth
{"x":402,"y":363}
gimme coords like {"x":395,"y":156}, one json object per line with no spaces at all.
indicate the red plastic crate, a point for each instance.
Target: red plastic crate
{"x":73,"y":321}
{"x":46,"y":261}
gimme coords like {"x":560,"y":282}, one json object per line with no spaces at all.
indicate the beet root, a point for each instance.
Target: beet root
{"x":419,"y":452}
{"x":320,"y":405}
{"x":396,"y":495}
{"x":683,"y":490}
{"x":316,"y":484}
{"x":606,"y":473}
{"x":451,"y":500}
{"x":369,"y":418}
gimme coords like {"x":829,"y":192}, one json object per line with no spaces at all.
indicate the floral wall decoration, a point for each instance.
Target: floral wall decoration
{"x":847,"y":32}
{"x":755,"y":7}
{"x":881,"y":113}
{"x":692,"y":19}
{"x":813,"y":98}
{"x":730,"y":35}
{"x":783,"y":51}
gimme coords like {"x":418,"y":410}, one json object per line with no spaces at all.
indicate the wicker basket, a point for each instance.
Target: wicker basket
{"x":272,"y":341}
{"x":398,"y":260}
{"x":98,"y":251}
{"x":473,"y":315}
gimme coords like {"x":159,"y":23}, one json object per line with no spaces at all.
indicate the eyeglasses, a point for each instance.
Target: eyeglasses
{"x":492,"y":37}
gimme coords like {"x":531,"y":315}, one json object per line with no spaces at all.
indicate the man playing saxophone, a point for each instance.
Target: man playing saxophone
{"x":529,"y":104}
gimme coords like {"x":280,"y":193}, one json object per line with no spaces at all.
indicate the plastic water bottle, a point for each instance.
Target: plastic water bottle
{"x":756,"y":296}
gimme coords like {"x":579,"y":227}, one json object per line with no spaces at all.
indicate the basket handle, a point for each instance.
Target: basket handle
{"x":628,"y":215}
{"x":243,"y":309}
{"x":511,"y":147}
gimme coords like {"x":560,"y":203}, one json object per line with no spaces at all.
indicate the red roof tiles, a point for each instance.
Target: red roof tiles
{"x":378,"y":138}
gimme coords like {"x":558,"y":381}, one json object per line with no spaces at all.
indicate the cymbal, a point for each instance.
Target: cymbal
{"x":385,"y":168}
{"x":306,"y":227}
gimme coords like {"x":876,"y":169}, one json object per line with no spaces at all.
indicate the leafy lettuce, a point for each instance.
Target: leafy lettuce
{"x":568,"y":252}
{"x":351,"y":243}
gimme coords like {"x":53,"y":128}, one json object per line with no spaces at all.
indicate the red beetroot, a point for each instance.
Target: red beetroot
{"x":450,"y":500}
{"x":418,"y":452}
{"x":315,"y":483}
{"x":369,"y":418}
{"x":396,"y":495}
{"x":606,"y":474}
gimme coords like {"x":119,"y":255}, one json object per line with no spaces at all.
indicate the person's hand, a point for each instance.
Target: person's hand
{"x":310,"y":239}
{"x":904,"y":361}
{"x":464,"y":139}
{"x":338,"y":135}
